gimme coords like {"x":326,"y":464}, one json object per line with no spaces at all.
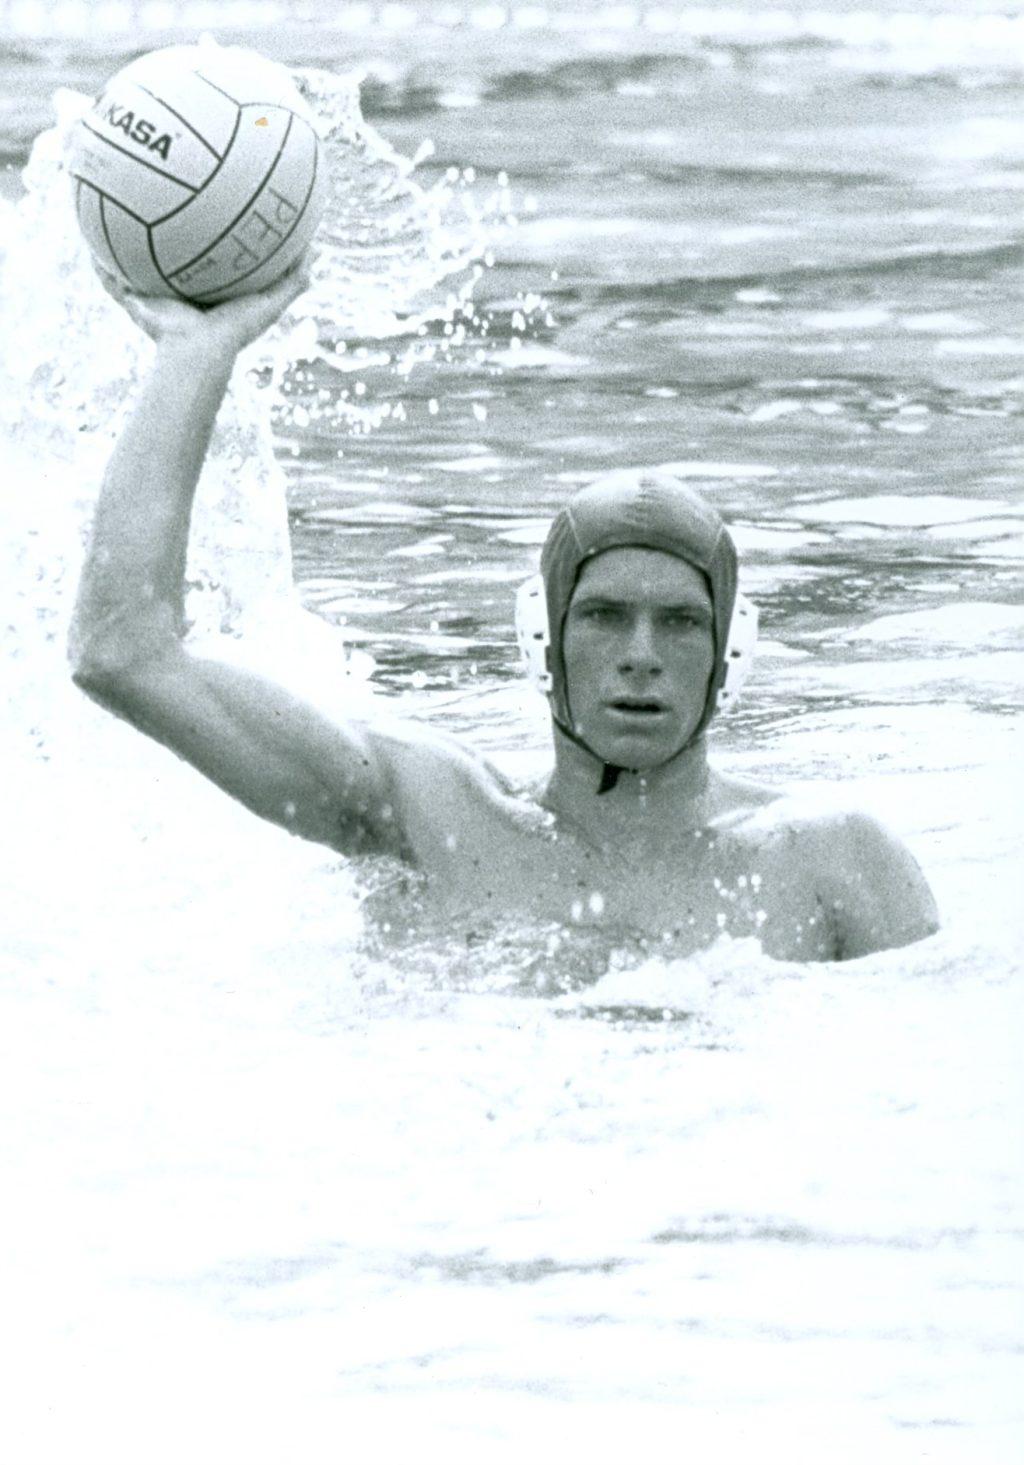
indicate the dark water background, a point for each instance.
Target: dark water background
{"x":798,"y":253}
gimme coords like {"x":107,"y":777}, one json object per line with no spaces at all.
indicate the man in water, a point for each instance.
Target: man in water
{"x":632,"y":830}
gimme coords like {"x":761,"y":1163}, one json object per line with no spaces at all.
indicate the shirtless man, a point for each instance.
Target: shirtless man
{"x":632,"y":830}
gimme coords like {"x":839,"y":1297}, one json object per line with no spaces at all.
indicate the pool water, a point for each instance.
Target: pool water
{"x":279,"y":1193}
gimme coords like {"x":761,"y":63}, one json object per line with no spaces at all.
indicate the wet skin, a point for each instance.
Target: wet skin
{"x":674,"y":851}
{"x":638,"y":650}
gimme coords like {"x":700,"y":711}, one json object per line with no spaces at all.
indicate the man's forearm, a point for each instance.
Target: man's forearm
{"x":132,"y":593}
{"x":131,"y":596}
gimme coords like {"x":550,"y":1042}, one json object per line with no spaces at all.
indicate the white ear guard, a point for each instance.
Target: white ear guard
{"x":534,"y":637}
{"x":739,"y":650}
{"x":533,"y":634}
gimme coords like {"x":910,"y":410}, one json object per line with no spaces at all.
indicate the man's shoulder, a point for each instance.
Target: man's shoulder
{"x":418,"y":754}
{"x":436,"y":778}
{"x":760,"y":809}
{"x":813,"y":812}
{"x":817,"y":823}
{"x":860,"y":871}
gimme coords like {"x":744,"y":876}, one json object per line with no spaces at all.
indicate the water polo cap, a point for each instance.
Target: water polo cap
{"x":646,"y":509}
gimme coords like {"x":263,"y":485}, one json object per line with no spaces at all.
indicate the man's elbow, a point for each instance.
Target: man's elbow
{"x":107,"y":655}
{"x":98,"y":667}
{"x":118,"y":678}
{"x":106,"y":684}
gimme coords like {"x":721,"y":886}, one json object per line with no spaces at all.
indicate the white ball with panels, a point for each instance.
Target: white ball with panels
{"x":198,"y":173}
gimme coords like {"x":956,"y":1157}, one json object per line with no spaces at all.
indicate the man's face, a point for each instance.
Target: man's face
{"x":638,"y":647}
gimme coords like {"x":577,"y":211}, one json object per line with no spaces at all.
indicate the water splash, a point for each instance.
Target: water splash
{"x":387,"y":240}
{"x":392,"y":255}
{"x":397,"y":264}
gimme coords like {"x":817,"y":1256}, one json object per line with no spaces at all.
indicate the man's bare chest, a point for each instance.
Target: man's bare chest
{"x":683,"y":892}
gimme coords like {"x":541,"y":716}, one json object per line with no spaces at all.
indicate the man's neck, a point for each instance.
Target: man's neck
{"x":655,"y":804}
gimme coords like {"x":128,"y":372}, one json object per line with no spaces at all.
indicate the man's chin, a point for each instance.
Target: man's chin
{"x":640,"y":752}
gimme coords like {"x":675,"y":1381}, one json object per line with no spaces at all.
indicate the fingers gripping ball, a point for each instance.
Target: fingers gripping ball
{"x":198,"y":174}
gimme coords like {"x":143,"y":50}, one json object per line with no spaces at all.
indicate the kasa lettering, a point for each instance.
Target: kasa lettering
{"x":138,"y":129}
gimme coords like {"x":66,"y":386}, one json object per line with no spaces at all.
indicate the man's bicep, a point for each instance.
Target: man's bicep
{"x":883,"y":899}
{"x":281,"y":757}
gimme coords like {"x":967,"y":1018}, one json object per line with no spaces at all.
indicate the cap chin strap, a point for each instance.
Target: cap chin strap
{"x":609,"y":771}
{"x":534,"y":638}
{"x":609,"y":777}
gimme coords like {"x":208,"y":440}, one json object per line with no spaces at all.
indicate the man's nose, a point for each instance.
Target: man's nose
{"x":640,"y":652}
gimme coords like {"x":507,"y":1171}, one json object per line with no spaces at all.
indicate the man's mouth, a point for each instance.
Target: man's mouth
{"x":643,"y":707}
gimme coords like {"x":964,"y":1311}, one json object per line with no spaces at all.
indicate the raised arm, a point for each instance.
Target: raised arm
{"x":283,"y":759}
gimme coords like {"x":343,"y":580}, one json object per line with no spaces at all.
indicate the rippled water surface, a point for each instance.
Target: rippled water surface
{"x":277,"y":1195}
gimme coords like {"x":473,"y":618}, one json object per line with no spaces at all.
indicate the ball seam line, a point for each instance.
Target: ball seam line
{"x":217,"y":88}
{"x":117,"y":202}
{"x":106,"y":235}
{"x":156,"y":265}
{"x":207,"y":181}
{"x":241,"y":214}
{"x":140,"y":161}
{"x":183,"y":120}
{"x":300,"y":215}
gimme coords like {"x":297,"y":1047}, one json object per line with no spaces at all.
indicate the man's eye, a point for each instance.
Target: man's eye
{"x":600,"y":613}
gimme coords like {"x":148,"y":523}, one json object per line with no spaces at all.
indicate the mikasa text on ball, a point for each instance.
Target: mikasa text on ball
{"x":198,"y":173}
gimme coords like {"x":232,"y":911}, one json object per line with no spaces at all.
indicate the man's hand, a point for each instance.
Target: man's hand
{"x":226,"y":328}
